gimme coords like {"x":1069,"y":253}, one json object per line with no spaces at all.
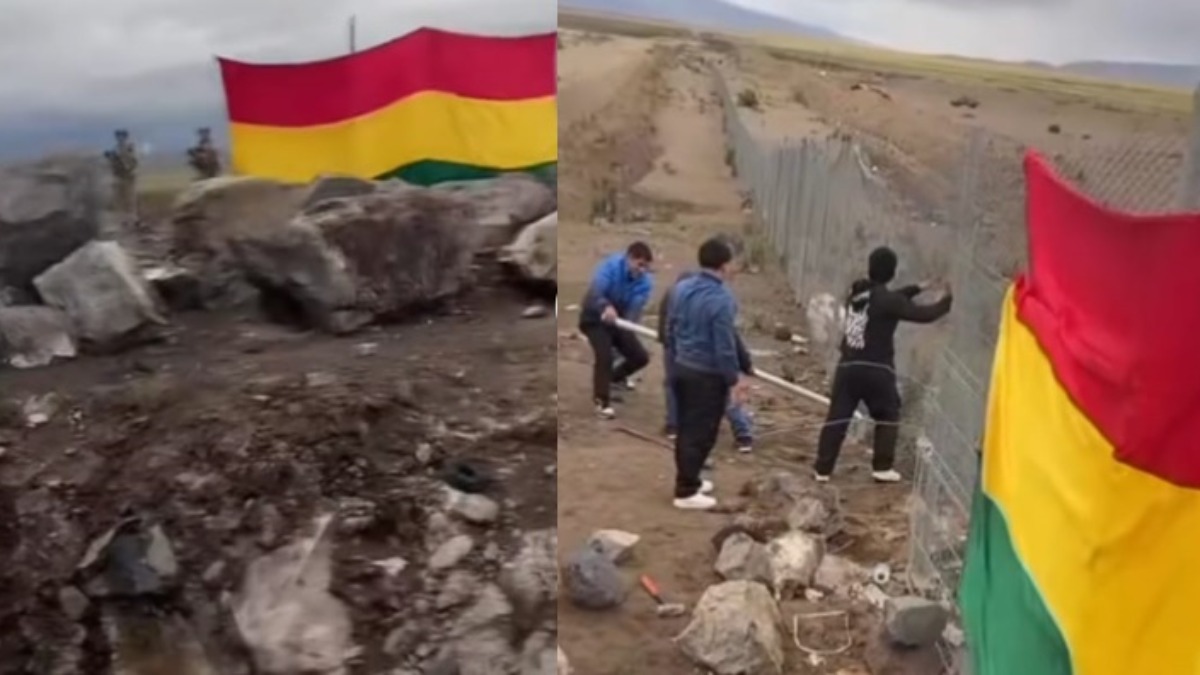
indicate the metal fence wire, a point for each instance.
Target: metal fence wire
{"x":822,"y":205}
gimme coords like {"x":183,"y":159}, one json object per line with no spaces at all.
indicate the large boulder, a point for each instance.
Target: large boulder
{"x":503,"y":205}
{"x":209,"y":214}
{"x":735,"y":630}
{"x":47,"y":210}
{"x":100,"y":288}
{"x":351,"y":261}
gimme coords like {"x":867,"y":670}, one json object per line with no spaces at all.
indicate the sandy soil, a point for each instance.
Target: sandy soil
{"x":233,"y":434}
{"x":682,"y":193}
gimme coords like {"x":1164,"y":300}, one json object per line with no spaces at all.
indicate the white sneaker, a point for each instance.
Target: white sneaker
{"x":745,"y":449}
{"x":707,"y":487}
{"x":820,"y":478}
{"x":606,"y":412}
{"x":891,"y":476}
{"x":697,"y":502}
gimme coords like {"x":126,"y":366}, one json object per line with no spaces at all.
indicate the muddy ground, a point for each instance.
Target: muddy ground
{"x":232,"y":435}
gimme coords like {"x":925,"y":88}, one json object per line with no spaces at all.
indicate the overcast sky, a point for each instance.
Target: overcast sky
{"x":1017,"y":30}
{"x":68,"y":67}
{"x":148,"y":60}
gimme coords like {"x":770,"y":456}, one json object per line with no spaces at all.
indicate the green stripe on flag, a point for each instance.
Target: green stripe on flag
{"x":1009,"y":629}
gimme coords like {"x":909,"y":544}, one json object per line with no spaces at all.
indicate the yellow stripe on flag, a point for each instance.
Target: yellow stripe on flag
{"x":1114,"y":552}
{"x":429,"y":126}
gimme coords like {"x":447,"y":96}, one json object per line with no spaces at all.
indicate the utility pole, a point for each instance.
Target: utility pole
{"x":353,"y":34}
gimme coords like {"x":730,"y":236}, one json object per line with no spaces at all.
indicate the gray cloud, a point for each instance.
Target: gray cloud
{"x":75,"y":64}
{"x":1047,"y":30}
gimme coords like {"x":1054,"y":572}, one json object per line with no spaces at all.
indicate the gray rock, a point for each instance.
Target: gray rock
{"x":209,"y":214}
{"x":132,"y":559}
{"x":32,"y":337}
{"x":616,"y":545}
{"x":473,"y":508}
{"x":106,"y":298}
{"x":482,"y":638}
{"x":491,"y":608}
{"x":47,"y":210}
{"x":838,"y":575}
{"x":912,"y":621}
{"x":458,"y":589}
{"x":485,"y":652}
{"x":73,"y":602}
{"x":743,"y":558}
{"x":593,"y":582}
{"x":735,"y":630}
{"x":795,"y":557}
{"x":533,"y":253}
{"x":809,"y":514}
{"x":539,"y":655}
{"x":502,"y":205}
{"x":530,"y":579}
{"x":378,"y":256}
{"x":179,"y":288}
{"x":451,"y":553}
{"x":325,"y":188}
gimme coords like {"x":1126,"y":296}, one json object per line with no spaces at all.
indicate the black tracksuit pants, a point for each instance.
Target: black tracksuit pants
{"x":604,"y":339}
{"x":703,"y":399}
{"x":875,"y":386}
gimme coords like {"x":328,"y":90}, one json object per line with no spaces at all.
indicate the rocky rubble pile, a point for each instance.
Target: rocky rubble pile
{"x":278,"y":541}
{"x":336,"y":255}
{"x":782,"y":596}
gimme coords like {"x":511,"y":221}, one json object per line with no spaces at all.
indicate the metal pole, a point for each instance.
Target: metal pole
{"x":770,"y":379}
{"x":353,"y":34}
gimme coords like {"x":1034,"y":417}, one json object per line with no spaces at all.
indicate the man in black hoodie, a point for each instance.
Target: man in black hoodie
{"x":866,"y":372}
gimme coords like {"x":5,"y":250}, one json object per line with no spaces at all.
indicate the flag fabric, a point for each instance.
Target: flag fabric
{"x":1084,"y":551}
{"x":427,"y":107}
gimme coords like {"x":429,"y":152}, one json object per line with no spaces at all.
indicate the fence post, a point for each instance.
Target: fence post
{"x":1190,"y":190}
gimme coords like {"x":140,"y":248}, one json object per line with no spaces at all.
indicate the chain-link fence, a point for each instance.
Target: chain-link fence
{"x":822,"y":206}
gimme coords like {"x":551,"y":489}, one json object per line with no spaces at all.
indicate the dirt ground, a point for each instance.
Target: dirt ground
{"x":232,"y":434}
{"x":651,"y":111}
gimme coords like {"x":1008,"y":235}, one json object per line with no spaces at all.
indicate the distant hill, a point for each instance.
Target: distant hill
{"x":1165,"y":74}
{"x":703,"y":14}
{"x":720,"y":15}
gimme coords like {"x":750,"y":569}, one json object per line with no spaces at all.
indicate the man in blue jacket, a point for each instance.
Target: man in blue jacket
{"x":620,"y":288}
{"x":739,"y":418}
{"x":707,"y":373}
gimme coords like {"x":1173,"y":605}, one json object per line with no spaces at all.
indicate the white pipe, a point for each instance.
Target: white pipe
{"x":774,"y":380}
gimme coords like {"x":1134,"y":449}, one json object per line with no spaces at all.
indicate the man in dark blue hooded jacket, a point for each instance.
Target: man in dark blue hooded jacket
{"x":620,"y":289}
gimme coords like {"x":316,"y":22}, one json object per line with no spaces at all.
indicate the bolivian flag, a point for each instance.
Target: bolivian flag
{"x":1084,"y":555}
{"x":427,"y":107}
